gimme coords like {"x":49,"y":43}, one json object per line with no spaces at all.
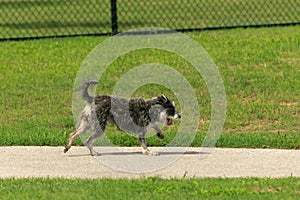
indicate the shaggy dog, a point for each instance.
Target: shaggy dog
{"x":129,"y":115}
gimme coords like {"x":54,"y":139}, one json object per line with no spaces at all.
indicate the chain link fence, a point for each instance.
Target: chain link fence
{"x":21,"y":19}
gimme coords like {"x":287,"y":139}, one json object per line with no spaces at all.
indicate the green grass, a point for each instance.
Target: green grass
{"x":151,"y":188}
{"x":233,"y":140}
{"x":260,"y":69}
{"x":46,"y":18}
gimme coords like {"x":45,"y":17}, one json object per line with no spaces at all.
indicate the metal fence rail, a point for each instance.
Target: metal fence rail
{"x":21,"y":19}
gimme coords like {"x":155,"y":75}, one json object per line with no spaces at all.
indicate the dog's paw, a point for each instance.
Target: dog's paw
{"x":94,"y":153}
{"x":150,"y":153}
{"x":154,"y":154}
{"x":66,"y":149}
{"x":160,"y":136}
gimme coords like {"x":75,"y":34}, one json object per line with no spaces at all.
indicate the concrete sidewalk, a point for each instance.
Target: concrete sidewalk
{"x":128,"y":162}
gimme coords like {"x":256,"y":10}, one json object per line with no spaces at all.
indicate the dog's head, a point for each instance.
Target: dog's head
{"x":164,"y":110}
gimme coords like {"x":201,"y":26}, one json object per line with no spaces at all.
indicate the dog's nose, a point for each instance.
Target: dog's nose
{"x":179,"y":116}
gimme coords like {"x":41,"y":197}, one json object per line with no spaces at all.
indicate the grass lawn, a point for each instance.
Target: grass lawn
{"x":261,"y":73}
{"x":260,"y":69}
{"x":151,"y":188}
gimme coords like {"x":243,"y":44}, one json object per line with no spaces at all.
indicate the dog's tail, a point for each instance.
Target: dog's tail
{"x":84,"y":90}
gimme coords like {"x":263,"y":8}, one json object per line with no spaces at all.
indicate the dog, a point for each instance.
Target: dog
{"x":129,"y":115}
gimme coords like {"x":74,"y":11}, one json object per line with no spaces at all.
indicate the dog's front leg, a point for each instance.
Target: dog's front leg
{"x":158,"y":131}
{"x":146,"y":151}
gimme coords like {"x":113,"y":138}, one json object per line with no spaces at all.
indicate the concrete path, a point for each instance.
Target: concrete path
{"x":130,"y":163}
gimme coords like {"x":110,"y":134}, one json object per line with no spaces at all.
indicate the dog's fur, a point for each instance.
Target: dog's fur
{"x":129,"y":115}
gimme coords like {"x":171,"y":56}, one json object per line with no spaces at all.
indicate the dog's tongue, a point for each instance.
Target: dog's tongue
{"x":169,"y":122}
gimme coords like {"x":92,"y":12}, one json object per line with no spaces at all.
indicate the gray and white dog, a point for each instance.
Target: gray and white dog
{"x":129,"y":115}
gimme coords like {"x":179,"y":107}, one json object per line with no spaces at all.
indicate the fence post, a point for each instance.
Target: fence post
{"x":114,"y":18}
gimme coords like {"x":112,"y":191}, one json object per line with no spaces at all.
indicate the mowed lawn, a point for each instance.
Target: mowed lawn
{"x":151,"y":188}
{"x":260,"y":70}
{"x":261,"y":73}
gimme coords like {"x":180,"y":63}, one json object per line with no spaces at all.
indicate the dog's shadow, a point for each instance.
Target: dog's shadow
{"x":140,"y":153}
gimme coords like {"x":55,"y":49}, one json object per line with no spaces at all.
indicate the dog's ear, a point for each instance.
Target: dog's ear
{"x":162,"y":99}
{"x":159,"y":99}
{"x":173,"y":103}
{"x":165,"y":99}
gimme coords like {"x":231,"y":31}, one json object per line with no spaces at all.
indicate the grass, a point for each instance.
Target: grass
{"x":48,"y":18}
{"x":151,"y":188}
{"x":260,"y":69}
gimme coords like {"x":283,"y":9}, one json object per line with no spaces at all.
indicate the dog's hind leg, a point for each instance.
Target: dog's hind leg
{"x":98,"y":132}
{"x":82,"y":128}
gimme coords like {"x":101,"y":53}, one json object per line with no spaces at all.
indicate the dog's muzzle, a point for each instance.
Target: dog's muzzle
{"x":170,"y":119}
{"x":177,"y":116}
